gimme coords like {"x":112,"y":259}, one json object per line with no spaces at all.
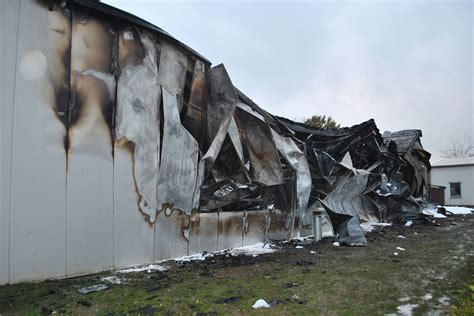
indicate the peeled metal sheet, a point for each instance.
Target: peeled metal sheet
{"x":235,"y":138}
{"x":171,"y":234}
{"x":287,"y":147}
{"x":38,"y":190}
{"x":264,"y":160}
{"x":179,"y":159}
{"x":136,"y":147}
{"x":230,"y":230}
{"x":90,"y":149}
{"x":196,"y":111}
{"x":204,"y":231}
{"x":256,"y":224}
{"x":222,"y":99}
{"x":172,"y":71}
{"x":9,"y":16}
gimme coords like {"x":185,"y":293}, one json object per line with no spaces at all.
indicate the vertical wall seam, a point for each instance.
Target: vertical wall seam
{"x":114,"y":118}
{"x":11,"y":146}
{"x":67,"y":132}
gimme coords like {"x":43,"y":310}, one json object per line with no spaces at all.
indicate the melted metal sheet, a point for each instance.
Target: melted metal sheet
{"x":178,"y":171}
{"x":137,"y":117}
{"x":287,"y":147}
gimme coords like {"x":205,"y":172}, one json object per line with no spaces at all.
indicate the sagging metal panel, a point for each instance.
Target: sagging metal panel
{"x":38,"y":190}
{"x":204,"y":231}
{"x":265,"y":163}
{"x":196,"y":106}
{"x":172,"y":74}
{"x":179,"y":160}
{"x":287,"y":147}
{"x":9,"y":16}
{"x":256,"y":224}
{"x":90,"y":148}
{"x":222,"y":99}
{"x":171,"y":233}
{"x":230,"y":230}
{"x":136,"y":151}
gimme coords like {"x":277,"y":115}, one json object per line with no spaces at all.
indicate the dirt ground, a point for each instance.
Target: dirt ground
{"x":433,"y":272}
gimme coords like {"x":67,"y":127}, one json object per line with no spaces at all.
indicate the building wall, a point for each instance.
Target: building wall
{"x":464,"y":174}
{"x":80,"y":147}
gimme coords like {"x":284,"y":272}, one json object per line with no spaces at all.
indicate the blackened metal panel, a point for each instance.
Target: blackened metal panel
{"x":222,"y":99}
{"x":230,"y":230}
{"x":287,"y":147}
{"x":196,"y":111}
{"x":9,"y":17}
{"x":204,"y":231}
{"x":280,"y":225}
{"x":172,"y":74}
{"x":264,"y":160}
{"x":179,"y":160}
{"x":171,"y":233}
{"x":256,"y":224}
{"x":90,"y":151}
{"x":136,"y":147}
{"x":38,"y":187}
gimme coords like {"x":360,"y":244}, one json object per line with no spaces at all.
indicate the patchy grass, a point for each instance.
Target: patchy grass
{"x":438,"y":261}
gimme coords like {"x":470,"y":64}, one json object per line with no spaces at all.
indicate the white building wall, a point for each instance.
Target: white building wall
{"x":463,"y":174}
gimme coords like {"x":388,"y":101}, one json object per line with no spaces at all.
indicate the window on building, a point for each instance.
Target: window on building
{"x":455,"y":189}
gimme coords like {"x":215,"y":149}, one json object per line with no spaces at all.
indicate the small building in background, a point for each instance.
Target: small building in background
{"x":457,"y":176}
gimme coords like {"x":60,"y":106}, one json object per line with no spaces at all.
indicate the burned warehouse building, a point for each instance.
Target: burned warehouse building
{"x":123,"y":146}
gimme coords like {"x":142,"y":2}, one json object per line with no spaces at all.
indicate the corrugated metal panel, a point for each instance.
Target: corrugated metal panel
{"x":171,"y":234}
{"x":203,"y":232}
{"x":38,"y":214}
{"x":463,"y":174}
{"x":90,"y":160}
{"x":9,"y":17}
{"x":255,"y":227}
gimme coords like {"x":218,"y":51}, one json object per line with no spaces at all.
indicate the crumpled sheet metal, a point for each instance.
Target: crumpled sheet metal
{"x":179,"y":159}
{"x":222,"y":99}
{"x":287,"y":147}
{"x":264,"y":160}
{"x":137,"y":112}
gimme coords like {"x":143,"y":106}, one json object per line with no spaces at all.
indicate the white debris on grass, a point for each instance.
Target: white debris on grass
{"x":369,"y":227}
{"x":337,"y":244}
{"x":299,"y":247}
{"x":305,"y":238}
{"x":148,"y":268}
{"x":458,"y":210}
{"x":93,"y":288}
{"x":401,"y":237}
{"x":408,"y":223}
{"x":400,"y":248}
{"x":406,"y":310}
{"x":428,"y":296}
{"x":252,"y":250}
{"x":444,"y":300}
{"x":312,"y":251}
{"x":433,"y":212}
{"x":404,"y":299}
{"x":113,"y":279}
{"x":261,"y":304}
{"x":395,"y":253}
{"x":195,"y":257}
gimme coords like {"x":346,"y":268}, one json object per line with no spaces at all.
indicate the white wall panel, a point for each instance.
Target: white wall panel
{"x":9,"y":16}
{"x":90,"y":164}
{"x":38,"y":197}
{"x":464,"y":174}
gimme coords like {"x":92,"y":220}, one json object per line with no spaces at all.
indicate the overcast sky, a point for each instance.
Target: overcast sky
{"x":407,"y":64}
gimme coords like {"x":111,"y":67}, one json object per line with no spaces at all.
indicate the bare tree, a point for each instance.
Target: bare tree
{"x":458,"y":147}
